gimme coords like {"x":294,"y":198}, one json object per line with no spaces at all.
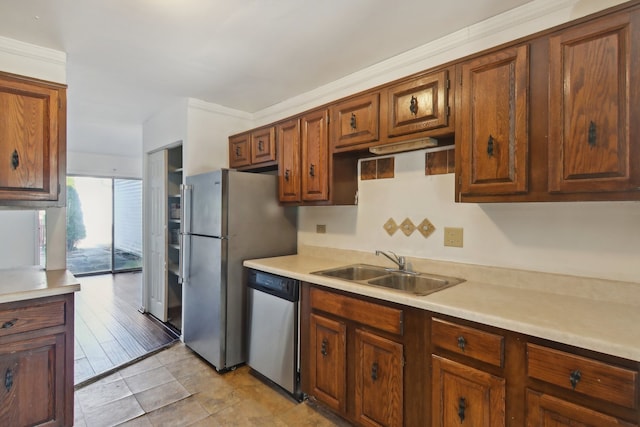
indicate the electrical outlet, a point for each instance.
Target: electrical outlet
{"x":321,"y":228}
{"x":453,"y":236}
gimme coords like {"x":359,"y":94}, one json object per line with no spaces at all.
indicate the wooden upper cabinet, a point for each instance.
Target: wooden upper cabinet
{"x":314,"y":164}
{"x":593,"y":96}
{"x":492,"y":132}
{"x":288,"y":134}
{"x":419,"y":104}
{"x":355,"y":122}
{"x":263,"y":145}
{"x":240,"y":150}
{"x":32,"y":141}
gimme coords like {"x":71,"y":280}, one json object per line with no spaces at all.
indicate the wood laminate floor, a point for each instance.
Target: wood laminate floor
{"x":110,"y":332}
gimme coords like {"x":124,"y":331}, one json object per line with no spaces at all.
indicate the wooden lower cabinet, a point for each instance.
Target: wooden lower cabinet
{"x":544,"y":410}
{"x":36,"y":362}
{"x":328,"y":361}
{"x":379,"y":380}
{"x":466,"y":396}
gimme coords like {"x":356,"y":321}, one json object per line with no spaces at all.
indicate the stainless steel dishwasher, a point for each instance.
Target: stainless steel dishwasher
{"x":273,"y":311}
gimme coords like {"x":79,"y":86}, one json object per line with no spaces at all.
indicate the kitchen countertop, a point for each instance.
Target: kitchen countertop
{"x":19,"y":284}
{"x":598,"y":315}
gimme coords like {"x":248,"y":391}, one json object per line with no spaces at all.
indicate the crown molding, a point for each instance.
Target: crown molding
{"x":218,"y":109}
{"x":39,"y":53}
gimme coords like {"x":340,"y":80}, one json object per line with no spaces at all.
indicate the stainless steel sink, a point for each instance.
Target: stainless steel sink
{"x":355,"y":272}
{"x":414,"y":283}
{"x":417,"y":284}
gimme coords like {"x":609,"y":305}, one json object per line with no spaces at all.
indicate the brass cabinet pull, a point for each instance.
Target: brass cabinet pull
{"x":286,"y":174}
{"x":237,"y":151}
{"x":592,"y":134}
{"x":374,"y":371}
{"x":8,"y":324}
{"x":574,"y":378}
{"x":490,"y":143}
{"x":462,"y":343}
{"x":323,"y":347}
{"x":462,"y":406}
{"x":353,"y":121}
{"x":312,"y":170}
{"x":8,"y":379}
{"x":413,"y":105}
{"x":15,"y":159}
{"x":260,"y":145}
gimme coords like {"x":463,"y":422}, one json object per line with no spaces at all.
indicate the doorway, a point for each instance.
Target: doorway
{"x":104,"y":225}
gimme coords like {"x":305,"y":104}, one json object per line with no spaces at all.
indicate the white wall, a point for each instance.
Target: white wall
{"x":28,"y":60}
{"x":596,"y":239}
{"x":105,"y":166}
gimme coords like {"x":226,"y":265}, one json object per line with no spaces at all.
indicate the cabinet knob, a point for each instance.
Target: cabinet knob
{"x":574,"y":378}
{"x":462,"y":343}
{"x":287,"y":173}
{"x":490,"y":143}
{"x":237,"y":151}
{"x":8,"y":324}
{"x":462,"y":406}
{"x":353,"y":122}
{"x":15,"y":159}
{"x":413,"y":105}
{"x":323,"y":347}
{"x":374,"y":371}
{"x":312,"y":170}
{"x":260,"y":145}
{"x":592,"y":134}
{"x":8,"y":379}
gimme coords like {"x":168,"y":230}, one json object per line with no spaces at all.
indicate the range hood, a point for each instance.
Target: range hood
{"x":400,"y":147}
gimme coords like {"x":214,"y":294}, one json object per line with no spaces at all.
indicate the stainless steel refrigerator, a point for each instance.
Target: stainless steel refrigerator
{"x":228,"y":217}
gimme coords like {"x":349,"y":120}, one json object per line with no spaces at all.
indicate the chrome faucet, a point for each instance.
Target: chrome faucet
{"x":398,"y":260}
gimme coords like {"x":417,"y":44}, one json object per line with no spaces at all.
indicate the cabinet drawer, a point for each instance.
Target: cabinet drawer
{"x":377,"y":316}
{"x":474,"y":343}
{"x":30,"y":318}
{"x":587,"y":376}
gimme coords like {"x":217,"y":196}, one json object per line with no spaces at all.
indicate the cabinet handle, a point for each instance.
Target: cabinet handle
{"x":592,"y":134}
{"x":574,"y":378}
{"x":15,"y":160}
{"x":312,"y":170}
{"x":462,"y":343}
{"x":8,"y":324}
{"x":286,"y":174}
{"x":413,"y":105}
{"x":462,"y":406}
{"x":237,"y":151}
{"x":490,"y":143}
{"x":353,"y":121}
{"x":8,"y":379}
{"x":260,"y":145}
{"x":323,"y":348}
{"x":374,"y":371}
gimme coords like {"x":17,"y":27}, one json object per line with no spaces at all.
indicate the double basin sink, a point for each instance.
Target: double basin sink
{"x":411,"y":282}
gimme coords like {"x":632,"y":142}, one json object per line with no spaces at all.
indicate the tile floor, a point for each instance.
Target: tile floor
{"x":176,"y":388}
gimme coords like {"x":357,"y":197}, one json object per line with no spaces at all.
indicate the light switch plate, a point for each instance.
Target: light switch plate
{"x":453,"y":236}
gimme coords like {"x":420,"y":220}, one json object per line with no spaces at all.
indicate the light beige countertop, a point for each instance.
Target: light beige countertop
{"x":18,"y":284}
{"x":598,"y":315}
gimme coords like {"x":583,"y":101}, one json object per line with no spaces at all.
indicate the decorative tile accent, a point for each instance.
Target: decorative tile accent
{"x":440,"y":162}
{"x":386,"y":168}
{"x":368,"y":169}
{"x":407,"y":227}
{"x":377,"y":168}
{"x":390,"y":226}
{"x":426,"y":228}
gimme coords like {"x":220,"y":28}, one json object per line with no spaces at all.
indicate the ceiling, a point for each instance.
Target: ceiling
{"x":127,"y":59}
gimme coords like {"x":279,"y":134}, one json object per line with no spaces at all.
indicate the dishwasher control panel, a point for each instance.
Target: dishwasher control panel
{"x":283,"y":287}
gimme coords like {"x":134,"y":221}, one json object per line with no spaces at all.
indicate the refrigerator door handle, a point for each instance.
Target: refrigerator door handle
{"x":185,"y":228}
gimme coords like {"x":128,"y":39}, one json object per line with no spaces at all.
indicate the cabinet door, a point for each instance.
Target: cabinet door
{"x":289,"y":161}
{"x":315,"y":157}
{"x":29,"y":140}
{"x":418,"y":105}
{"x":239,"y":150}
{"x":355,"y":123}
{"x":263,"y":146}
{"x":464,"y":396}
{"x":328,"y":361}
{"x":492,"y":134}
{"x":548,"y":411}
{"x":32,"y":390}
{"x":379,"y":380}
{"x":590,"y":68}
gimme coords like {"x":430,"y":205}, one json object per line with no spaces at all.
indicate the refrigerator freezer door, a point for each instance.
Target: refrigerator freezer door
{"x":206,"y":196}
{"x":204,"y":296}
